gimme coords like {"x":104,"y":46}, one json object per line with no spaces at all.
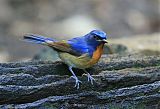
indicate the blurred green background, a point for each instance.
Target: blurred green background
{"x":63,"y":19}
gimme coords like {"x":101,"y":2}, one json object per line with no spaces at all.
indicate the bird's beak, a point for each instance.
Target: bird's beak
{"x":104,"y":40}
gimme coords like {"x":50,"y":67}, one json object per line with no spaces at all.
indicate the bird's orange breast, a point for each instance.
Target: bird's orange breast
{"x":97,"y":54}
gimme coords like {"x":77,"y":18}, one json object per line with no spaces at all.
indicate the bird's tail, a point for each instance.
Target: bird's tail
{"x":37,"y":39}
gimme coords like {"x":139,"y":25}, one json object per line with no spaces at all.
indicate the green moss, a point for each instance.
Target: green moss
{"x":18,"y":71}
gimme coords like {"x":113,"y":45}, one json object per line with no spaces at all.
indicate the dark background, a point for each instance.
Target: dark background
{"x":63,"y":19}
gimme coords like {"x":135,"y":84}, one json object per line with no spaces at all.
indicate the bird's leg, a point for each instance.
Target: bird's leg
{"x":90,"y":78}
{"x":75,"y":77}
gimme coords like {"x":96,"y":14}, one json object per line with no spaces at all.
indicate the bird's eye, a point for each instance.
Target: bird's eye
{"x":96,"y":37}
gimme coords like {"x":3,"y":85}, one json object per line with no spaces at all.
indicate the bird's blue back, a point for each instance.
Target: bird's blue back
{"x":86,"y":44}
{"x":79,"y":45}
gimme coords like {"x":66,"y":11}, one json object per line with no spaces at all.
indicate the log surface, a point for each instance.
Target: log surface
{"x":120,"y":81}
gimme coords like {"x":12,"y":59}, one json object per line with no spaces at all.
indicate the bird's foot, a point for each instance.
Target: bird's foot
{"x":90,"y":78}
{"x":77,"y":81}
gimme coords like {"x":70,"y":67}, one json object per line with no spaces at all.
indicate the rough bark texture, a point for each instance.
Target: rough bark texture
{"x":128,"y":81}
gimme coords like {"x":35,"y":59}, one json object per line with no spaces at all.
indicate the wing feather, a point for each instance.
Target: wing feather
{"x":63,"y":46}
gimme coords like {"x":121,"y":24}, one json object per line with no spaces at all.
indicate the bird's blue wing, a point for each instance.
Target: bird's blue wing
{"x":79,"y":45}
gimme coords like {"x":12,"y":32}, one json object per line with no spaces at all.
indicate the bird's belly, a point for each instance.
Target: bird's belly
{"x":80,"y":62}
{"x":83,"y":61}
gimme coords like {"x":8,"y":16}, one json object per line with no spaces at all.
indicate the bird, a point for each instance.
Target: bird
{"x":79,"y":52}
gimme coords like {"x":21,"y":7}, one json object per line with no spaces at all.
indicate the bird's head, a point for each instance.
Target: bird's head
{"x":96,"y":37}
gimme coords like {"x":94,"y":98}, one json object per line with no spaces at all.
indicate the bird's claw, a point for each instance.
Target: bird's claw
{"x":90,"y":78}
{"x":77,"y":81}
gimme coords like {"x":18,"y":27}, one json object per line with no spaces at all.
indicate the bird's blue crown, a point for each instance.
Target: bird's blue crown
{"x":99,"y":33}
